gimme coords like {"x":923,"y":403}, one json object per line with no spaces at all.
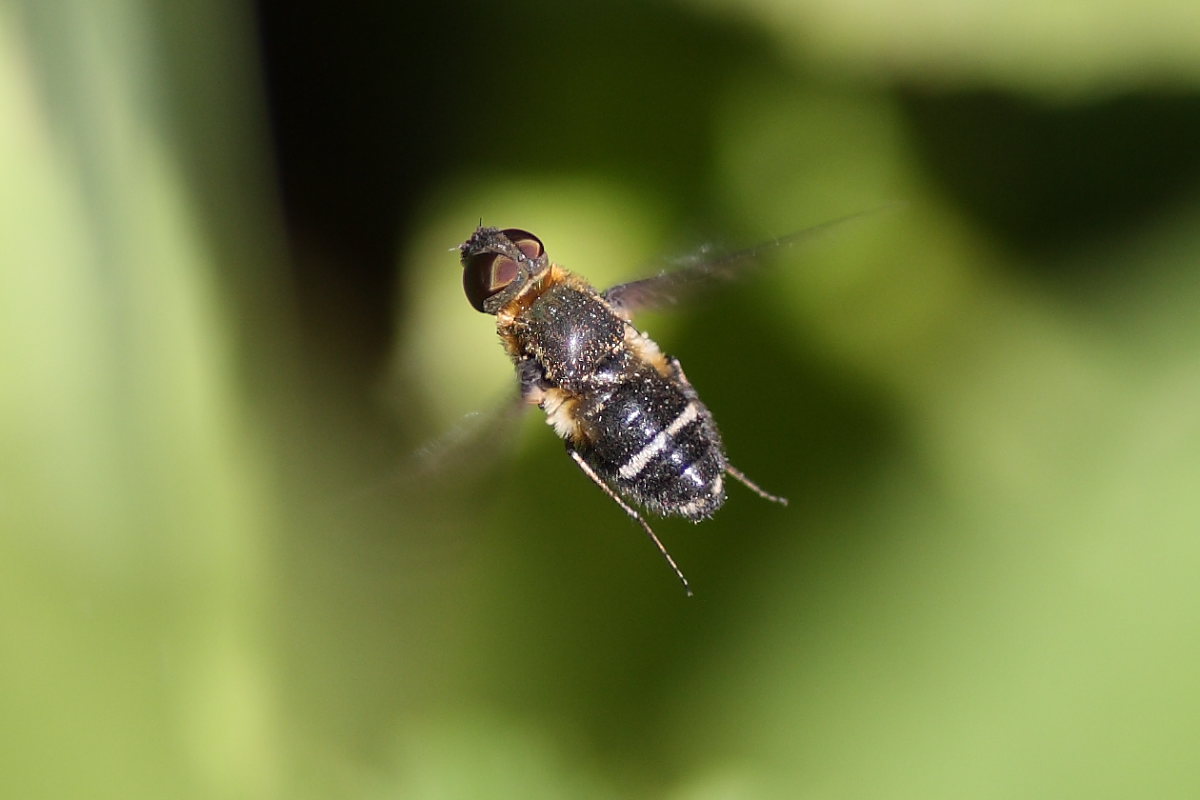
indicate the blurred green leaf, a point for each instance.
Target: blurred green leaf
{"x":1067,"y":47}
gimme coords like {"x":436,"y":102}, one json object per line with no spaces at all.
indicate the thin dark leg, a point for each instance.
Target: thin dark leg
{"x":754,"y":487}
{"x":631,"y":512}
{"x":732,"y":470}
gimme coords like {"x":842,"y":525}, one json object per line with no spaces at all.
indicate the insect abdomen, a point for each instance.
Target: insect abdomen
{"x":656,"y":445}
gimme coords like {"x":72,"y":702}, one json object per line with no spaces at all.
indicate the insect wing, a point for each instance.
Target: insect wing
{"x":670,"y":286}
{"x":472,"y":444}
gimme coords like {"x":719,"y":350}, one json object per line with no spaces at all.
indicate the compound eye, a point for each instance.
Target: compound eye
{"x":525,"y":241}
{"x":487,"y":274}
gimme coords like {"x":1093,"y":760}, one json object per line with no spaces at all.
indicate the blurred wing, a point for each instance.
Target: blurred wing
{"x":668,"y":287}
{"x":459,"y":455}
{"x":472,"y":444}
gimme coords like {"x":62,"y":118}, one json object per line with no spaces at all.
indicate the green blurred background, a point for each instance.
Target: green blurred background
{"x":229,"y":317}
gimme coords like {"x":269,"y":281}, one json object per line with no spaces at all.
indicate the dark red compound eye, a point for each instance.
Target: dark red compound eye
{"x":487,"y":274}
{"x":525,"y":241}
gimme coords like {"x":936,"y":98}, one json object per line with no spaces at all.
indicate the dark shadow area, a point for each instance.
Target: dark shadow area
{"x":1045,"y":177}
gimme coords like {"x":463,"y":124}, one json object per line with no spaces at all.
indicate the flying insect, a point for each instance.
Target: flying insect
{"x":631,"y":420}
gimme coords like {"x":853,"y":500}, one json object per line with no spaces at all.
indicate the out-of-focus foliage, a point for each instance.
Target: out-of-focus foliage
{"x":985,"y":418}
{"x":1067,"y":48}
{"x":135,"y":509}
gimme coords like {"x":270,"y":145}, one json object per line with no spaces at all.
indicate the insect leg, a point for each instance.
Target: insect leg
{"x":632,"y":513}
{"x":754,"y":487}
{"x":729,"y":468}
{"x":531,"y":380}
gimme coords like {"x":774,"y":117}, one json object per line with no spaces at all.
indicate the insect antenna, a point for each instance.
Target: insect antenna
{"x":636,"y":516}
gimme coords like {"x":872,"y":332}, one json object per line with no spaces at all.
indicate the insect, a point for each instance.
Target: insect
{"x":631,"y":420}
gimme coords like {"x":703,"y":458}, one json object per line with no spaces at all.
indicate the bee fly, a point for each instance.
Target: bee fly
{"x":630,"y":419}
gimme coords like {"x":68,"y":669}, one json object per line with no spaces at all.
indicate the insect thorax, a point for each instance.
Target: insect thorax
{"x":571,"y":333}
